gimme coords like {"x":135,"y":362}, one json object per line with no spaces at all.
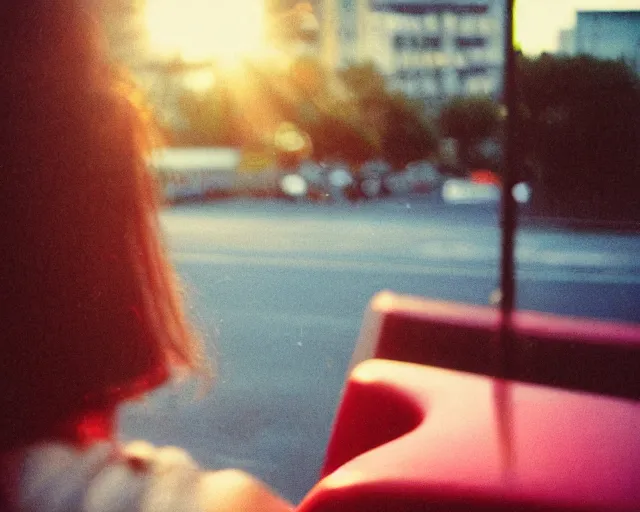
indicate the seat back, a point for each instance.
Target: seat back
{"x":571,"y":353}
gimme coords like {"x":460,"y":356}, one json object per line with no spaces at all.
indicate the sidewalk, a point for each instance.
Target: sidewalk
{"x":629,"y":227}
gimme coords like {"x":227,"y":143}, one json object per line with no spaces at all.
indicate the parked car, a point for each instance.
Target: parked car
{"x":423,"y":177}
{"x":464,"y":191}
{"x":372,"y":179}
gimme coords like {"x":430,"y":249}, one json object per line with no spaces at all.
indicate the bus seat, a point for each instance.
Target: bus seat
{"x":410,"y":437}
{"x":573,"y":353}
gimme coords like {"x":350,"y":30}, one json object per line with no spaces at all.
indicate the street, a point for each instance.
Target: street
{"x":278,"y":291}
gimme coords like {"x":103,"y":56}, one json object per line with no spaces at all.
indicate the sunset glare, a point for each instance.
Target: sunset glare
{"x":203,"y":30}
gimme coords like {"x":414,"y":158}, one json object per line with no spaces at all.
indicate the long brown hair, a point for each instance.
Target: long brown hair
{"x":92,"y":309}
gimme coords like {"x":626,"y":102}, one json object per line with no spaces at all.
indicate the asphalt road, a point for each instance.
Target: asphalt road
{"x":278,"y":292}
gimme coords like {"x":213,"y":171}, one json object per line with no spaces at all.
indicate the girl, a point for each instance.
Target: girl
{"x":92,"y":310}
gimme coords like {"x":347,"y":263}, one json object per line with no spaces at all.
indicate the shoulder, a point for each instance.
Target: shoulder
{"x":232,"y":490}
{"x":229,"y":490}
{"x":139,"y":476}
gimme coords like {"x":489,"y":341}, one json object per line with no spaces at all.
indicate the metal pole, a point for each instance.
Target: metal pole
{"x":509,"y":208}
{"x":504,"y":348}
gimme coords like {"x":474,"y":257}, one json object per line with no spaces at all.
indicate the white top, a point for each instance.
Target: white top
{"x":56,"y":477}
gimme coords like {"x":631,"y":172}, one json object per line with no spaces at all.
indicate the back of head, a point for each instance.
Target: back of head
{"x":90,"y":306}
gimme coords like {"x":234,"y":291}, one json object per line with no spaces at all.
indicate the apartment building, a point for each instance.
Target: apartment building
{"x":431,"y":50}
{"x":609,"y":35}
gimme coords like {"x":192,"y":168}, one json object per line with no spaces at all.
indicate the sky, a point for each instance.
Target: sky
{"x":188,"y":23}
{"x":538,"y":22}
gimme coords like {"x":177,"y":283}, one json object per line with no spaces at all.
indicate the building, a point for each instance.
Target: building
{"x":609,"y":35}
{"x":294,"y":30}
{"x":431,"y":50}
{"x":567,"y":42}
{"x":123,"y":23}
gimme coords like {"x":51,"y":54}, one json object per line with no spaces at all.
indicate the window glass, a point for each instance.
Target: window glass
{"x":307,"y":184}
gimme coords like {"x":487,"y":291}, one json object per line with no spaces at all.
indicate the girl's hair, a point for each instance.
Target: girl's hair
{"x":91,"y":307}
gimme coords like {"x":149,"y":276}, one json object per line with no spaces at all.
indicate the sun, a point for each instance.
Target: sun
{"x":205,"y":30}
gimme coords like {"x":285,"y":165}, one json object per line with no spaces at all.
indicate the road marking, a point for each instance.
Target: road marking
{"x":460,"y":251}
{"x":438,"y":270}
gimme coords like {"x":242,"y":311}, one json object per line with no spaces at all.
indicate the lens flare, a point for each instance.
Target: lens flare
{"x":202,"y":30}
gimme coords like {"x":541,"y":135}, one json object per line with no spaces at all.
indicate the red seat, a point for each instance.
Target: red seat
{"x":572,"y":353}
{"x":414,"y":438}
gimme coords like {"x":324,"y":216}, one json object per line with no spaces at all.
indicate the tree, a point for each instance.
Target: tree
{"x":408,"y":134}
{"x":314,"y":99}
{"x":400,"y":125}
{"x":209,"y":118}
{"x":470,"y":121}
{"x":364,"y":80}
{"x":246,"y":110}
{"x":350,"y":115}
{"x":579,"y":135}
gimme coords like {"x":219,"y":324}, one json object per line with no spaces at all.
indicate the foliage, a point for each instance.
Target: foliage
{"x":209,"y":117}
{"x":408,"y":134}
{"x":579,"y":134}
{"x":329,"y":112}
{"x":365,"y":80}
{"x":470,"y":118}
{"x":349,"y":115}
{"x":346,"y":118}
{"x":400,"y":124}
{"x":247,"y":111}
{"x":470,"y":121}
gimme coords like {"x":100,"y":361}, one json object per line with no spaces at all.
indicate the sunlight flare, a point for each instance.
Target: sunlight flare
{"x":204,"y":30}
